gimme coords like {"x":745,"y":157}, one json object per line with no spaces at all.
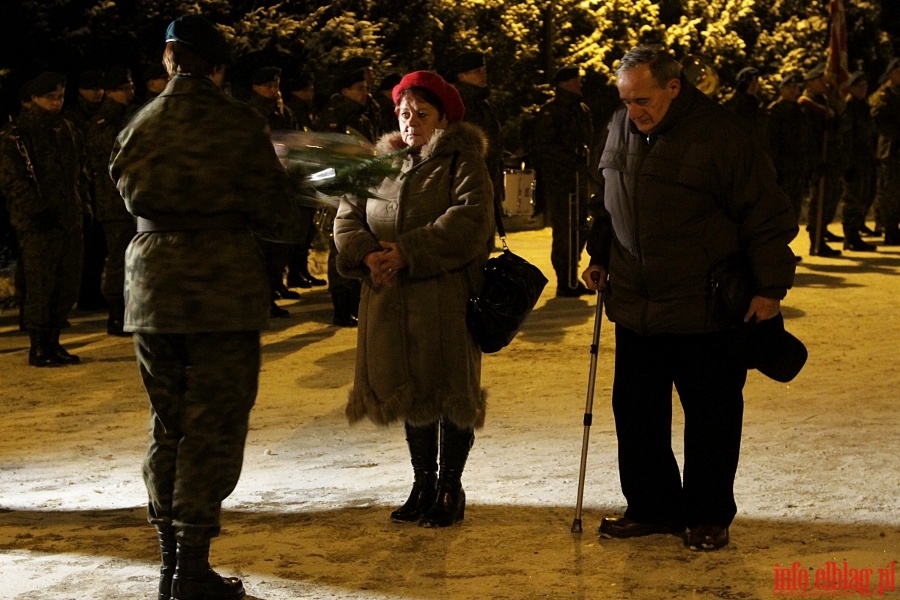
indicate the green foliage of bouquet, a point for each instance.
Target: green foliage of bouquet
{"x":332,"y":164}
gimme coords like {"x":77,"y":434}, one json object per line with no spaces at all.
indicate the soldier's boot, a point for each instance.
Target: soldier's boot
{"x":853,"y":241}
{"x":167,"y":554}
{"x":195,"y":580}
{"x":423,"y":452}
{"x":41,"y":353}
{"x":450,"y":505}
{"x":115,"y":323}
{"x":823,"y":248}
{"x":62,"y":356}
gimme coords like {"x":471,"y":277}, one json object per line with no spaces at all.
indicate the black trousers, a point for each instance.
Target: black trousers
{"x":709,"y":380}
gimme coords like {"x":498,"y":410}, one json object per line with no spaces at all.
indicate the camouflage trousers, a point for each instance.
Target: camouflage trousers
{"x":118,"y":235}
{"x":888,"y":194}
{"x":52,"y":276}
{"x":201,"y":388}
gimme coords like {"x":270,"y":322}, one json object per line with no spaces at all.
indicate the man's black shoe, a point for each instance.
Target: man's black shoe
{"x":573,"y":292}
{"x":824,"y":250}
{"x":623,"y":527}
{"x":831,"y":237}
{"x":296,"y":280}
{"x":278,"y":312}
{"x":707,"y":537}
{"x":285,"y":294}
{"x":863,"y":230}
{"x":858,"y":245}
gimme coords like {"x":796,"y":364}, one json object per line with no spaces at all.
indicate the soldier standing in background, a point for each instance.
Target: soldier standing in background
{"x":564,"y":133}
{"x":787,"y":138}
{"x":42,"y":175}
{"x":385,"y":101}
{"x":823,"y":109}
{"x":80,"y":110}
{"x":266,"y":99}
{"x":468,"y":73}
{"x":885,"y":110}
{"x":198,"y":170}
{"x":110,"y":213}
{"x":744,"y":100}
{"x":155,"y":80}
{"x":859,"y":176}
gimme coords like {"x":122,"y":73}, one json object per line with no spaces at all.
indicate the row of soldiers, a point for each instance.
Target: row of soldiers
{"x":831,"y":148}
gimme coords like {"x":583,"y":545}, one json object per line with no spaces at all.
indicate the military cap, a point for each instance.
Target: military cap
{"x":790,"y":77}
{"x":265,"y":75}
{"x":299,"y":81}
{"x":451,"y":101}
{"x":566,"y":73}
{"x":90,"y":79}
{"x":355,"y":63}
{"x":348,"y":78}
{"x":467,"y":61}
{"x":116,"y":78}
{"x":389,"y":81}
{"x":201,"y":37}
{"x":893,"y":64}
{"x":855,"y":77}
{"x":814,"y":73}
{"x":47,"y":83}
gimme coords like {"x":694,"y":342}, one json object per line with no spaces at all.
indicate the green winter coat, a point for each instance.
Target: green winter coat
{"x":195,"y":152}
{"x":416,"y":360}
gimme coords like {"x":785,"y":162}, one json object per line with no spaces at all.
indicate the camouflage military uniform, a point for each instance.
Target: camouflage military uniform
{"x":885,"y":110}
{"x":199,"y":166}
{"x":787,"y":137}
{"x":48,"y":216}
{"x":859,"y":177}
{"x":826,"y":159}
{"x":109,"y":209}
{"x":482,"y":113}
{"x":563,"y":134}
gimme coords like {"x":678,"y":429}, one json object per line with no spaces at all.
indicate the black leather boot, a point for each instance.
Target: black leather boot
{"x":423,"y":452}
{"x":853,"y":241}
{"x":450,"y":505}
{"x":41,"y":353}
{"x":116,"y":320}
{"x":167,"y":554}
{"x":195,"y":580}
{"x":343,"y":311}
{"x":62,"y":356}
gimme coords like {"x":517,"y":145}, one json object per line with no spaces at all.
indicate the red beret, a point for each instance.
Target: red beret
{"x":453,"y":106}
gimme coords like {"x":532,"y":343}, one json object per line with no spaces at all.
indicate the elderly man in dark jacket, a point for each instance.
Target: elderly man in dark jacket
{"x":199,"y":172}
{"x":685,"y":187}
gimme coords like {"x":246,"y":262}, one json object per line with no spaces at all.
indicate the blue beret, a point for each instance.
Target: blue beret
{"x":201,"y":37}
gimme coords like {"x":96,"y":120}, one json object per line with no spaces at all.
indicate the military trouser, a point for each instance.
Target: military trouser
{"x":52,"y":276}
{"x":344,"y":291}
{"x":794,"y":185}
{"x":831,"y":196}
{"x":888,"y":196}
{"x":201,"y":388}
{"x":568,"y":219}
{"x":118,"y":235}
{"x":859,"y":189}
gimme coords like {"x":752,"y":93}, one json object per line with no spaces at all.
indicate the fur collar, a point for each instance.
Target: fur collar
{"x":458,"y":137}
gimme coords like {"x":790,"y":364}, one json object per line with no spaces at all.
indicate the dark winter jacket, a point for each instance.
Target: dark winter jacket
{"x":194,"y":154}
{"x":481,"y":112}
{"x":341,"y":115}
{"x":885,"y":103}
{"x":99,"y":141}
{"x":787,"y":138}
{"x":415,"y":359}
{"x":698,"y":189}
{"x":58,"y":191}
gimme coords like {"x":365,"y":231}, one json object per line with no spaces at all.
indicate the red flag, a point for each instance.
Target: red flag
{"x":836,"y":64}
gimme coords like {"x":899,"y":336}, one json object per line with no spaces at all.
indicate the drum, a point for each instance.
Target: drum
{"x":519,"y":198}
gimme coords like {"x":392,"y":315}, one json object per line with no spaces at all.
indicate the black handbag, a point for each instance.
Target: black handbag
{"x":510,"y":290}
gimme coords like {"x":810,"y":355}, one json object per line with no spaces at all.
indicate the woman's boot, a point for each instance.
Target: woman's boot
{"x":450,"y":506}
{"x":423,"y":452}
{"x":167,"y":552}
{"x":195,"y":580}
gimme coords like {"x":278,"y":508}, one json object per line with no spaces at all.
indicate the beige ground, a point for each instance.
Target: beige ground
{"x":819,"y":479}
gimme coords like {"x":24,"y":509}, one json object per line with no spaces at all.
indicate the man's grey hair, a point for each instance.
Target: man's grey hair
{"x":663,"y":65}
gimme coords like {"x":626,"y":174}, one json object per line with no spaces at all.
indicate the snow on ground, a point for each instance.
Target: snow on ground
{"x":818,"y":481}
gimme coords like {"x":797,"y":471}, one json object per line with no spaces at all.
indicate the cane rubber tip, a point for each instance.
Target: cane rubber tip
{"x":576,"y":526}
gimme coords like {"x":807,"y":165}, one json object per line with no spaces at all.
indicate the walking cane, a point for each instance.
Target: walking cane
{"x":589,"y":406}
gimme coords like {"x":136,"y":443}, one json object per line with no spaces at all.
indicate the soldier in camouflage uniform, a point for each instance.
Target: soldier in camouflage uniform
{"x":787,"y":140}
{"x":468,"y":73}
{"x":885,"y":109}
{"x":110,"y":213}
{"x":198,"y":170}
{"x":266,"y":99}
{"x":859,"y":176}
{"x":42,"y":175}
{"x":345,"y":113}
{"x":563,"y":134}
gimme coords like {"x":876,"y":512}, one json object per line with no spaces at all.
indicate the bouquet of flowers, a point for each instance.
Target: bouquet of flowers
{"x":332,"y":164}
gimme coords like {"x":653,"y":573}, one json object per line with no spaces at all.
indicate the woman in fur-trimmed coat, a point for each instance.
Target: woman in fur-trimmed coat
{"x":419,"y":244}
